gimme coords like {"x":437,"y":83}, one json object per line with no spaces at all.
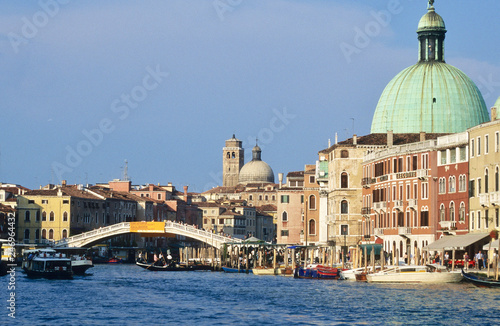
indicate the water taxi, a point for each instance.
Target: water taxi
{"x":80,"y":262}
{"x":430,"y":273}
{"x":47,"y":263}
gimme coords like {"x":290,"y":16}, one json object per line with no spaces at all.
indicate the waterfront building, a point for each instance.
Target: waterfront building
{"x":6,"y":212}
{"x":484,"y":189}
{"x":311,"y":224}
{"x":290,"y":209}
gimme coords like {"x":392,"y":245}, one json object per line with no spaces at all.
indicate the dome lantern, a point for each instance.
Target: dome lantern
{"x":431,"y":33}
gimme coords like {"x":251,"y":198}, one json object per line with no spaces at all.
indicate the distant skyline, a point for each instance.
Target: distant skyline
{"x":86,"y":85}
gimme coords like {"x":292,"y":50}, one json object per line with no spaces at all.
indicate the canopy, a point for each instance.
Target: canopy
{"x":458,"y":242}
{"x":377,"y":247}
{"x":494,"y":245}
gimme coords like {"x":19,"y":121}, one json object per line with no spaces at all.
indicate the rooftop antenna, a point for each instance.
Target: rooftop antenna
{"x":125,"y":171}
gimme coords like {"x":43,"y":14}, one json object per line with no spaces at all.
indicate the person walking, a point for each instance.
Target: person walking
{"x":466,"y":261}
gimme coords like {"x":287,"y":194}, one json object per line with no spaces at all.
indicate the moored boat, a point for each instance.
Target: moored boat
{"x":265,"y":271}
{"x":430,"y":273}
{"x":480,"y":281}
{"x":235,"y":270}
{"x":316,"y":272}
{"x":47,"y":263}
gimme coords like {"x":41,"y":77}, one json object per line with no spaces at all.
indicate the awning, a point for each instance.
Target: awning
{"x":494,"y":245}
{"x":458,"y":242}
{"x":377,"y":247}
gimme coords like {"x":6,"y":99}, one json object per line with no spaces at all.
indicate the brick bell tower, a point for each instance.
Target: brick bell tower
{"x":233,"y":156}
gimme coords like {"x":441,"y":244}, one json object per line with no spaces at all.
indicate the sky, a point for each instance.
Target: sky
{"x":88,"y":85}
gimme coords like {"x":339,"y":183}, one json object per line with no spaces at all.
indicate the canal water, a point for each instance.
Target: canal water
{"x":129,"y":295}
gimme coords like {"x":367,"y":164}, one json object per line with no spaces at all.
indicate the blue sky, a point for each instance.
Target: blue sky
{"x":162,"y":84}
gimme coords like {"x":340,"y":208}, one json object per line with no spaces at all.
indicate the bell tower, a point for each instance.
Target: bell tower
{"x":232,"y":161}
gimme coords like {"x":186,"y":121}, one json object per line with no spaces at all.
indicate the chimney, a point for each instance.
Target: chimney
{"x":186,"y":193}
{"x":336,"y":139}
{"x":329,"y":143}
{"x":354,"y":139}
{"x":390,"y":138}
{"x":63,"y":183}
{"x":280,"y":179}
{"x":422,"y":136}
{"x":493,"y":113}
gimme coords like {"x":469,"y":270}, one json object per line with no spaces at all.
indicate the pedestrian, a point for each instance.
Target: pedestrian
{"x":479,"y":260}
{"x":436,"y":258}
{"x":466,"y":261}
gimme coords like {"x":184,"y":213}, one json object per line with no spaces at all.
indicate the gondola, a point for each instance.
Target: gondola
{"x":172,"y":267}
{"x":479,"y":281}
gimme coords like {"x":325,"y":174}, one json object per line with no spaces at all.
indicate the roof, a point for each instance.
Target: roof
{"x":6,"y":209}
{"x":295,"y":174}
{"x":457,"y":242}
{"x":71,"y":191}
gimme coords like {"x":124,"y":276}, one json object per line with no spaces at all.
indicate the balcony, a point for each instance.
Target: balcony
{"x":495,"y":198}
{"x":484,"y":199}
{"x":447,"y":225}
{"x":366,"y":182}
{"x":422,"y":174}
{"x":367,"y":237}
{"x":379,"y":205}
{"x":404,"y":230}
{"x":384,"y":178}
{"x":398,"y":204}
{"x":366,"y":210}
{"x":413,"y":204}
{"x":378,"y":231}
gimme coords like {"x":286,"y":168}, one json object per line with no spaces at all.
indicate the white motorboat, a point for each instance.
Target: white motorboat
{"x":430,"y":273}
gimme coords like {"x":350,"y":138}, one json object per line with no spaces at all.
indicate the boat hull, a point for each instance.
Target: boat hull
{"x":79,"y":267}
{"x":235,"y":270}
{"x":60,"y":275}
{"x":481,"y":282}
{"x":414,"y":274}
{"x":178,"y":268}
{"x":265,"y":271}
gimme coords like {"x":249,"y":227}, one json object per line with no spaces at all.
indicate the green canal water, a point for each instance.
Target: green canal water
{"x":129,"y":295}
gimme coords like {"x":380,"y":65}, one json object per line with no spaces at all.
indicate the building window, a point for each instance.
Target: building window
{"x":443,"y":157}
{"x":284,"y":216}
{"x":51,"y":234}
{"x":273,"y":197}
{"x":442,"y":185}
{"x":442,"y":213}
{"x":285,"y":199}
{"x":27,"y":234}
{"x":424,"y":218}
{"x":463,"y":154}
{"x":284,"y":233}
{"x":462,"y":183}
{"x":425,"y":190}
{"x":51,"y":216}
{"x":250,"y":197}
{"x":452,"y":211}
{"x":461,"y":212}
{"x":425,"y":161}
{"x":260,"y":197}
{"x":344,"y":182}
{"x":472,"y":148}
{"x":344,"y":153}
{"x":497,"y":141}
{"x":486,"y":218}
{"x":472,"y":190}
{"x":486,"y":144}
{"x":486,"y":181}
{"x":312,"y":179}
{"x":497,"y":222}
{"x":344,"y":229}
{"x":64,"y":234}
{"x":312,"y":202}
{"x":65,"y":216}
{"x":344,"y":207}
{"x":478,"y":146}
{"x":37,"y":218}
{"x":37,"y":235}
{"x":27,"y":216}
{"x":496,"y":179}
{"x":45,"y":201}
{"x":452,"y":183}
{"x":312,"y":227}
{"x":479,"y":186}
{"x":44,"y":216}
{"x":472,"y":220}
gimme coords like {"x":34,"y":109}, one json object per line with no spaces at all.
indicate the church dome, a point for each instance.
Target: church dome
{"x":256,"y":171}
{"x":430,"y":96}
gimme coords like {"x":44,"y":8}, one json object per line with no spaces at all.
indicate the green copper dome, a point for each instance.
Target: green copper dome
{"x":430,"y":96}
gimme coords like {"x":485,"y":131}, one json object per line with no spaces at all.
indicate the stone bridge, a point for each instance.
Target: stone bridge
{"x":146,"y":229}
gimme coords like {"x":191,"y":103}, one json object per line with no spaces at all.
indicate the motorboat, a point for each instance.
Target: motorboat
{"x":317,"y":272}
{"x":236,"y":270}
{"x":80,"y":262}
{"x":430,"y":273}
{"x":265,"y":271}
{"x":48,"y":263}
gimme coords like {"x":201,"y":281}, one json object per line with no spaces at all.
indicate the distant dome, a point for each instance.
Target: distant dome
{"x":430,"y":96}
{"x":256,"y":171}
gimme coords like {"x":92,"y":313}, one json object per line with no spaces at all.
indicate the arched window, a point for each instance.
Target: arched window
{"x":65,"y":216}
{"x":250,"y":197}
{"x":64,"y":234}
{"x":452,"y":211}
{"x":44,"y":216}
{"x":44,"y":234}
{"x":27,"y":216}
{"x":233,"y":155}
{"x":344,"y":207}
{"x":51,"y":216}
{"x":344,"y":153}
{"x":312,"y":227}
{"x":266,"y":197}
{"x":442,"y":213}
{"x":344,"y":181}
{"x":37,"y":234}
{"x":312,"y":202}
{"x":284,"y":216}
{"x":228,"y":155}
{"x":461,"y":212}
{"x":442,"y":185}
{"x":452,"y":183}
{"x":496,"y":180}
{"x":51,"y":234}
{"x":27,"y":234}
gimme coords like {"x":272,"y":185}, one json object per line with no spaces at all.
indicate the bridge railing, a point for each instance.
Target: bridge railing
{"x":193,"y":230}
{"x":90,"y":234}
